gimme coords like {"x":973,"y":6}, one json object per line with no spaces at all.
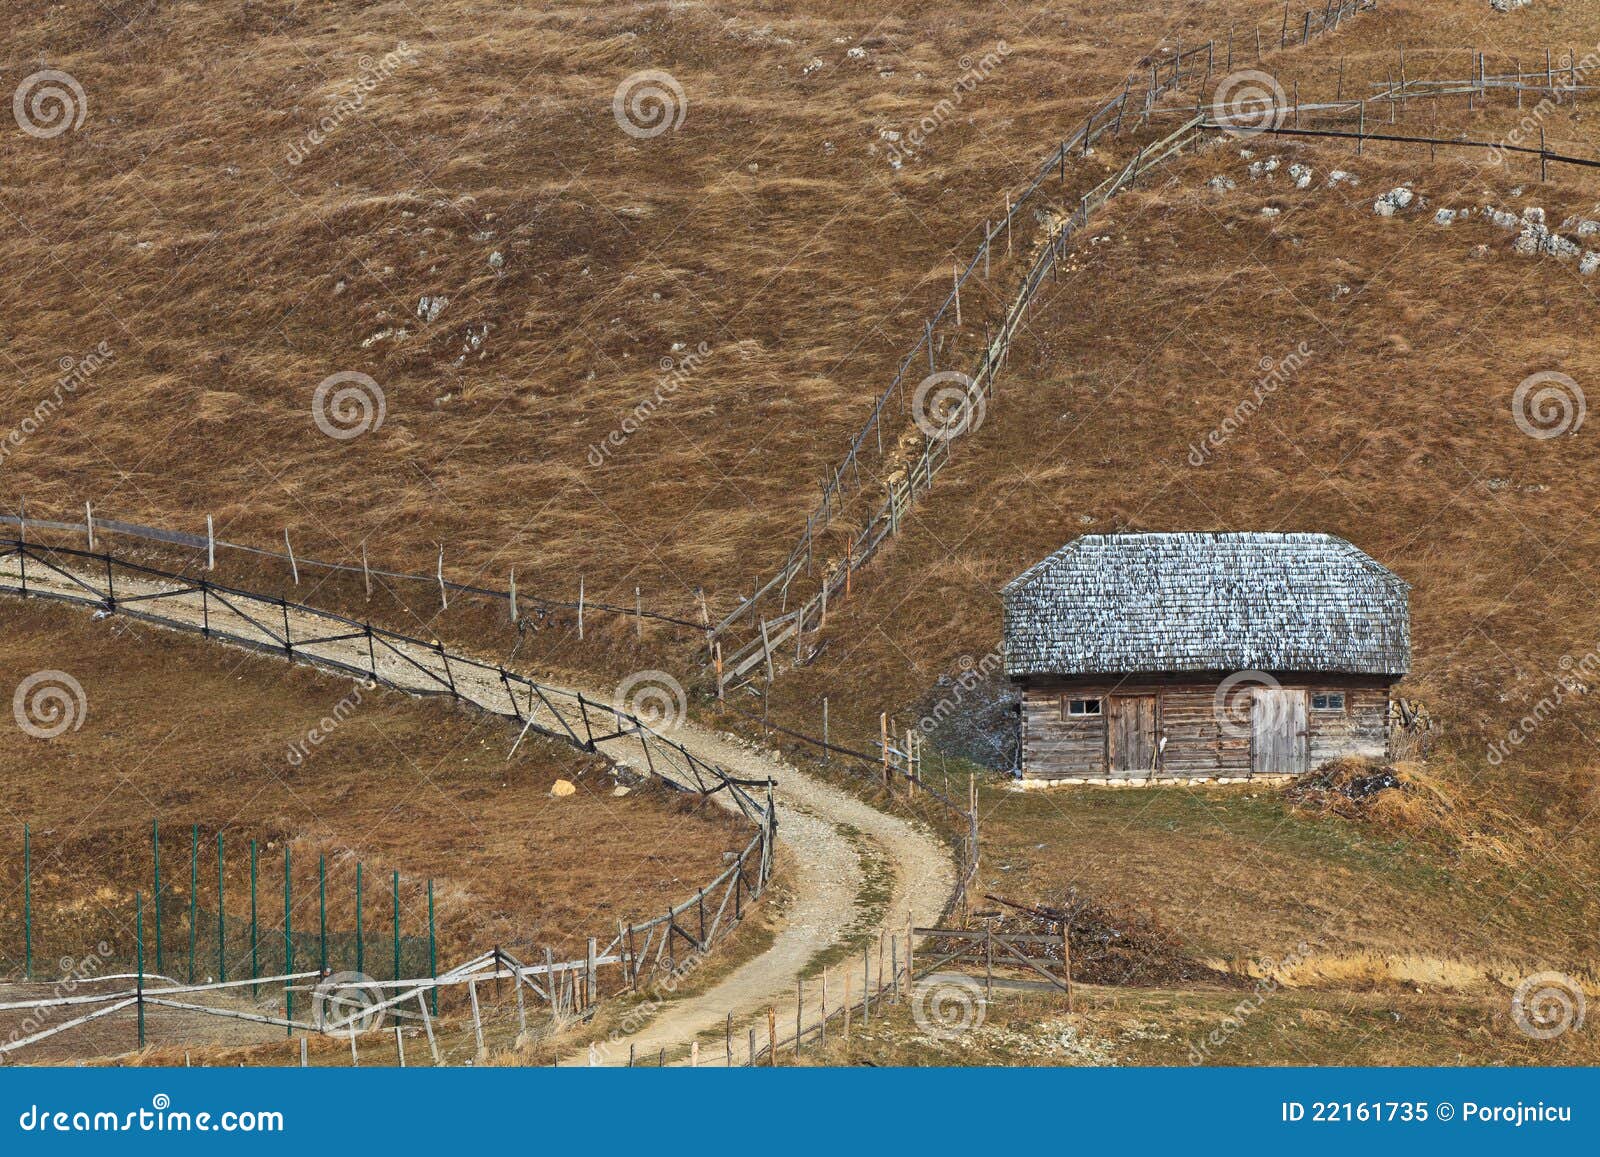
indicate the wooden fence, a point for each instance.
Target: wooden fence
{"x":736,"y":662}
{"x":517,"y":603}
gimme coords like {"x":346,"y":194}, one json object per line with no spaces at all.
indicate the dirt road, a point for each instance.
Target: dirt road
{"x":842,"y":854}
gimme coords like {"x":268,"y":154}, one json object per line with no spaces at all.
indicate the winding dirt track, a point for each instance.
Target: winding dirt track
{"x":834,"y":841}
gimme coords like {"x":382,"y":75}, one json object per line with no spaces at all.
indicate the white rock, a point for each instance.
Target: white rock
{"x":1340,"y":177}
{"x":1590,"y":263}
{"x":429,"y":308}
{"x":1301,"y":174}
{"x":1533,"y":213}
{"x":1221,"y":184}
{"x":1445,"y":217}
{"x":1269,"y":211}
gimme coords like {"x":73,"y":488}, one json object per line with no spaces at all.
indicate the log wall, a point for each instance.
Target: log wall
{"x":1056,"y":746}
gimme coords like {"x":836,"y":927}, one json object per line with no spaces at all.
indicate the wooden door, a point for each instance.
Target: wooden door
{"x":1131,"y":736}
{"x":1278,"y":731}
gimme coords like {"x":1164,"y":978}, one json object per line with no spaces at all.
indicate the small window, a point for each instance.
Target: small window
{"x":1331,"y":701}
{"x":1083,"y":707}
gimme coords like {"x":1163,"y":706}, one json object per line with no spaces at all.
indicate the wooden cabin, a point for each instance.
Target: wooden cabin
{"x":1183,"y":658}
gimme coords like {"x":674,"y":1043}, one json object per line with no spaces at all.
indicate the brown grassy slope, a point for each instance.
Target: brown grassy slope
{"x":770,"y":226}
{"x":188,"y":732}
{"x":1397,"y":433}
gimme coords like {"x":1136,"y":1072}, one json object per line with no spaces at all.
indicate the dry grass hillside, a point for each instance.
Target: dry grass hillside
{"x":483,"y":165}
{"x":185,"y":732}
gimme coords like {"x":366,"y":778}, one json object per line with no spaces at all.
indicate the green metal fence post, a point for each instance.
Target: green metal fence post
{"x":27,"y":903}
{"x":396,"y":975}
{"x":433,"y":950}
{"x":361,"y":953}
{"x":255,"y":968}
{"x":322,"y":908}
{"x":222,"y":934}
{"x":155,"y":860}
{"x":288,"y":942}
{"x":194,"y":890}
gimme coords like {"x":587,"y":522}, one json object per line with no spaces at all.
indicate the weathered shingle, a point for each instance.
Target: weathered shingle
{"x":1207,"y":602}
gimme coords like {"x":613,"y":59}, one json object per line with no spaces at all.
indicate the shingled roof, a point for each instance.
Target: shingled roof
{"x":1123,"y":603}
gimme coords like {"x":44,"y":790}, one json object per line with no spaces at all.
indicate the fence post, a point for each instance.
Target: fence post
{"x":294,"y":567}
{"x":322,"y":912}
{"x":255,"y":967}
{"x":288,"y":941}
{"x":580,"y":608}
{"x":211,"y":550}
{"x":155,"y":859}
{"x":222,"y":930}
{"x":512,"y":594}
{"x":194,"y":889}
{"x":361,"y":948}
{"x":824,"y":729}
{"x":444,"y":595}
{"x":138,"y":940}
{"x":88,"y":523}
{"x":27,"y":902}
{"x":396,"y":975}
{"x":433,"y":956}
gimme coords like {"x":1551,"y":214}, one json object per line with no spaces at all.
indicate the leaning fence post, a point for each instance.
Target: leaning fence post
{"x":512,"y":594}
{"x":366,"y":574}
{"x":27,"y":906}
{"x":88,"y":523}
{"x":294,"y":567}
{"x":433,"y":953}
{"x":444,"y":595}
{"x":211,"y":545}
{"x":824,"y":729}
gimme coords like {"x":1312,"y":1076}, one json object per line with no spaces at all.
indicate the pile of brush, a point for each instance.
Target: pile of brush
{"x":1360,"y":789}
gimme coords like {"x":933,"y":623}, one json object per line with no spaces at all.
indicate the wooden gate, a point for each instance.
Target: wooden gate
{"x":1131,"y":737}
{"x":1278,"y":731}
